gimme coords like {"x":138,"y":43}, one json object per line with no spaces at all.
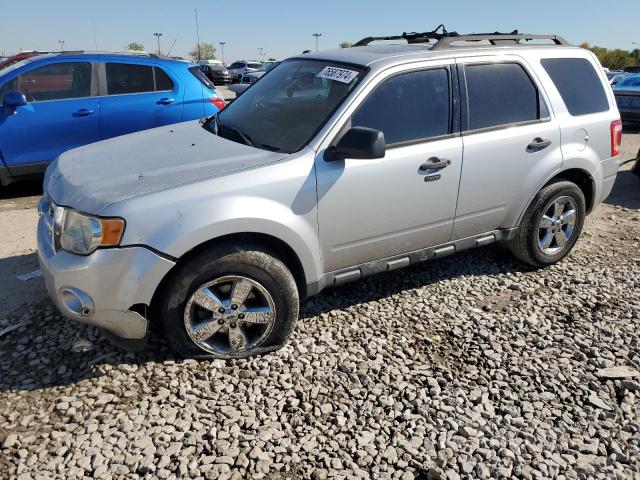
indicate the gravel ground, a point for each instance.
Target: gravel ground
{"x":473,"y":366}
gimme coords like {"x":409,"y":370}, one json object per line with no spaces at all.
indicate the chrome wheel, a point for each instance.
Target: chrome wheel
{"x":230,"y":315}
{"x":557,"y":225}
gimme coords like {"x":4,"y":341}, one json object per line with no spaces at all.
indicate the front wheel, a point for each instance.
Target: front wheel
{"x":229,"y":302}
{"x":551,"y":225}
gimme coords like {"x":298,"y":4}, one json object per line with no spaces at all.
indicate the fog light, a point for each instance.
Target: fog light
{"x":76,"y":301}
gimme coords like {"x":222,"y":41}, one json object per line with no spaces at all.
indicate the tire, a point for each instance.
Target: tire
{"x":529,"y":243}
{"x":210,"y":278}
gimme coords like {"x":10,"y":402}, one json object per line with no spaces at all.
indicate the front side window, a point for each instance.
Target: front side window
{"x":408,"y":107}
{"x":58,"y":81}
{"x":501,"y":94}
{"x":284,"y":110}
{"x":578,"y":84}
{"x":125,"y":78}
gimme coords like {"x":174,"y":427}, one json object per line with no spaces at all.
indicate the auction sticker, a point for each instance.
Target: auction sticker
{"x":338,"y":74}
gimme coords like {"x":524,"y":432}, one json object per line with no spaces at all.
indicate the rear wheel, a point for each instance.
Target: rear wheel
{"x":230,"y":302}
{"x":551,"y":225}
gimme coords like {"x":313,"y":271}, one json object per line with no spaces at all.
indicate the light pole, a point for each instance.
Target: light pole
{"x":158,"y":35}
{"x":198,"y":35}
{"x":222,"y":44}
{"x":61,"y":42}
{"x":317,"y":35}
{"x":260,"y":53}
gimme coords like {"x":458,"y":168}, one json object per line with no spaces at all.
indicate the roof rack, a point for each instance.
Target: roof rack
{"x":133,"y":53}
{"x":441,"y":39}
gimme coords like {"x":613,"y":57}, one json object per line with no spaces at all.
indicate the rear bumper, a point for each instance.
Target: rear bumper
{"x":99,"y":289}
{"x":609,"y":171}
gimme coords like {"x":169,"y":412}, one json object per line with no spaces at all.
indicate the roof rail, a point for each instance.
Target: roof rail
{"x":133,"y":53}
{"x":442,"y":39}
{"x":497,"y":38}
{"x":411,"y":37}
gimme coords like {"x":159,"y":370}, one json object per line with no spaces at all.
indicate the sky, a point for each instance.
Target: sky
{"x":285,"y":27}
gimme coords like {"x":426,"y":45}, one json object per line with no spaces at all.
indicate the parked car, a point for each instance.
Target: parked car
{"x":7,"y":62}
{"x":636,"y":166}
{"x":239,"y":68}
{"x":56,"y":102}
{"x":633,"y":69}
{"x":627,"y":94}
{"x":246,"y":81}
{"x":218,"y":74}
{"x":336,"y":165}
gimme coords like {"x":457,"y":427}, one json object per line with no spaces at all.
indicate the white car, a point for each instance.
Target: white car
{"x":239,"y":68}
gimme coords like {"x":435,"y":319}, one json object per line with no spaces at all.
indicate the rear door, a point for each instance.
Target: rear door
{"x":511,"y":143}
{"x":61,"y":114}
{"x":136,"y":97}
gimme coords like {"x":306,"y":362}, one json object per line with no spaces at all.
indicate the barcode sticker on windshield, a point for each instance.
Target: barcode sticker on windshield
{"x":338,"y":74}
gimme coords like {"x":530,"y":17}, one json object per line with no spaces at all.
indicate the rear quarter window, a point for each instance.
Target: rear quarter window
{"x":196,"y":72}
{"x":578,"y":83}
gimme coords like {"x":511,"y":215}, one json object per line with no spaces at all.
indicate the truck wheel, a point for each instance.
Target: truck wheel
{"x":229,"y":302}
{"x":551,"y":225}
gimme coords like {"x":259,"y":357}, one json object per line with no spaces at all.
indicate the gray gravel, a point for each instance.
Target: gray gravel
{"x":469,"y":367}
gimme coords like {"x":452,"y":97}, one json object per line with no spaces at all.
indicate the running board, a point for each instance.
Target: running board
{"x":356,"y":272}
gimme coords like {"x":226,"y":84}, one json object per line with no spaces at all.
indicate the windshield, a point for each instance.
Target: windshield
{"x":285,"y":109}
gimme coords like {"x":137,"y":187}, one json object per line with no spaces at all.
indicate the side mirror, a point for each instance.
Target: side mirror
{"x":359,"y":142}
{"x":12,"y":100}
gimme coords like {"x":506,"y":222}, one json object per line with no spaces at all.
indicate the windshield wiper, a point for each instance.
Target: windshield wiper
{"x":214,"y":121}
{"x":245,"y":138}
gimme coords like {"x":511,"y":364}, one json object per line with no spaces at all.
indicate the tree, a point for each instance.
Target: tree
{"x":206,"y":52}
{"x":271,"y":59}
{"x":615,"y":59}
{"x":346,"y":45}
{"x":136,"y":47}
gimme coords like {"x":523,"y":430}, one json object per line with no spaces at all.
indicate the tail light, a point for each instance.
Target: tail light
{"x":218,"y":102}
{"x":616,"y":137}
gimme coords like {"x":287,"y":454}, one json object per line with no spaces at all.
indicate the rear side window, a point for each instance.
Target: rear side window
{"x":578,"y":84}
{"x":58,"y":81}
{"x":196,"y":72}
{"x":163,"y":82}
{"x":409,"y":107}
{"x":128,"y":78}
{"x":500,"y":94}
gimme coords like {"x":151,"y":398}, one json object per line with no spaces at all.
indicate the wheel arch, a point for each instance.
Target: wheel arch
{"x":583,"y":180}
{"x":279,"y":248}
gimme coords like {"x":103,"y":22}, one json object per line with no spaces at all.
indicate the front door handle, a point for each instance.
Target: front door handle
{"x":435,"y":163}
{"x":166,"y":101}
{"x":538,"y":144}
{"x":84,"y":112}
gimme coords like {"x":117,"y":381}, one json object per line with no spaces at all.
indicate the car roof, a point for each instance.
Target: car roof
{"x":398,"y":53}
{"x":106,"y":56}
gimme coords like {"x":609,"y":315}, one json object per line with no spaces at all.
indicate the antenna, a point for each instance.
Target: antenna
{"x":169,"y":52}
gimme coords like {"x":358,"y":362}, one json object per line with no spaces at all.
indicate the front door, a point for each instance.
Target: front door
{"x":372,"y":209}
{"x":60,"y":114}
{"x":137,"y":97}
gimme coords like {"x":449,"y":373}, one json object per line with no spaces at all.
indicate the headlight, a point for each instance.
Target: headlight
{"x":83,"y":234}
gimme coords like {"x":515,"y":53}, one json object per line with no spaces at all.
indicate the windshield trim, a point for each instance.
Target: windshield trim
{"x":365,"y":71}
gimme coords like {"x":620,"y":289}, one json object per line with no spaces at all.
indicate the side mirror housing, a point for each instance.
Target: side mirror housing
{"x":12,"y":100}
{"x":360,"y":143}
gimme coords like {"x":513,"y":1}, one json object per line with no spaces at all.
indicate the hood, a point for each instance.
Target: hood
{"x":93,"y":177}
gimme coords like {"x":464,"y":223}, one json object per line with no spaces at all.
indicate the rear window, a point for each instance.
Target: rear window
{"x":501,"y":94}
{"x":254,"y":65}
{"x":578,"y":84}
{"x":202,"y":77}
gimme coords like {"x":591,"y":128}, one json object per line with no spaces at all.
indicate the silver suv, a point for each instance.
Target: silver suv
{"x":336,"y":165}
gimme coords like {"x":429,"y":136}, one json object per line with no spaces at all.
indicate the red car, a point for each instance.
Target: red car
{"x":17,"y":57}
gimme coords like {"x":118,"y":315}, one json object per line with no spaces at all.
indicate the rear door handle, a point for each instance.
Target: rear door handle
{"x":435,"y":163}
{"x":166,"y":101}
{"x":84,"y":112}
{"x":538,"y":144}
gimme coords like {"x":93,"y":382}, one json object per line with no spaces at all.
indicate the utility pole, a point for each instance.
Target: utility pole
{"x":222,"y":44}
{"x":158,"y":35}
{"x":198,"y":35}
{"x":61,"y":42}
{"x":317,"y":35}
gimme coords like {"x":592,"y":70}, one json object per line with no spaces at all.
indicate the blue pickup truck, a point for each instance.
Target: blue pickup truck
{"x":55,"y":102}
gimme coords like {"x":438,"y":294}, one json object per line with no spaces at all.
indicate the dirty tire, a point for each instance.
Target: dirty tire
{"x":524,"y":244}
{"x":247,"y":260}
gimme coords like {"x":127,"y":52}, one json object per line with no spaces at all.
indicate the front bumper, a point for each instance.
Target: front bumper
{"x":100,"y":289}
